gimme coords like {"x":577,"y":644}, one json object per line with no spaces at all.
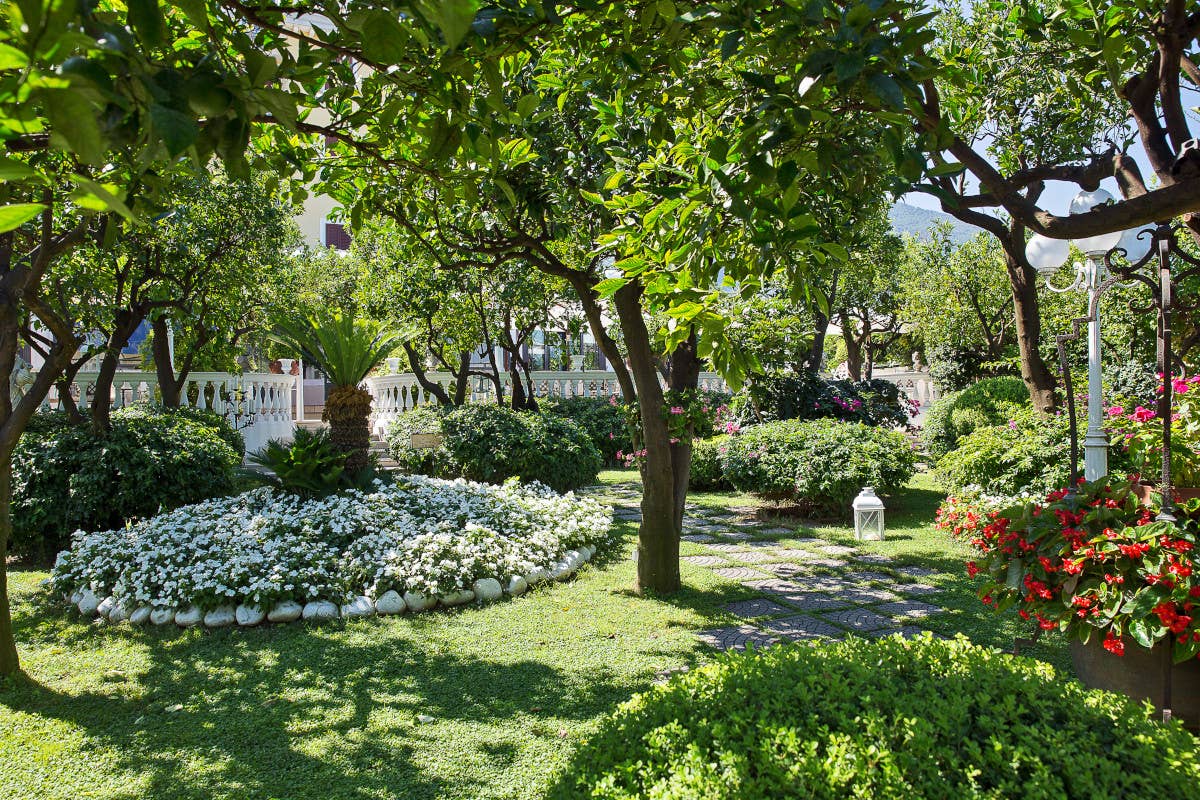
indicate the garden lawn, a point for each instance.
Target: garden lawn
{"x":477,"y":703}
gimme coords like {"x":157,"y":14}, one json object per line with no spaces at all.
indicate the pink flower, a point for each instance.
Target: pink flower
{"x":1179,"y":386}
{"x":676,"y":409}
{"x":1115,"y":411}
{"x":1141,"y":414}
{"x":612,"y":399}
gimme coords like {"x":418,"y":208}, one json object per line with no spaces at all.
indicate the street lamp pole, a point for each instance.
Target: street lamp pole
{"x":1095,"y":441}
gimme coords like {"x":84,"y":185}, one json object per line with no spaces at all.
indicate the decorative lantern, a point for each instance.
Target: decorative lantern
{"x":868,"y":515}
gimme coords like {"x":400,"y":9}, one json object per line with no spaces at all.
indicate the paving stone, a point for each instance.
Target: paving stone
{"x":865,"y":576}
{"x":793,"y":553}
{"x":738,"y":573}
{"x":918,"y":589}
{"x":778,"y":531}
{"x":726,"y":547}
{"x":736,"y":535}
{"x":916,"y":572}
{"x":873,"y":558}
{"x":909,"y":609}
{"x":907,"y":631}
{"x":699,"y":538}
{"x":824,"y":583}
{"x":752,"y":556}
{"x":762,"y":543}
{"x":835,"y":549}
{"x":758,"y":607}
{"x":866,"y":594}
{"x":785,"y":570}
{"x":736,"y":638}
{"x":704,"y":561}
{"x":813,"y":601}
{"x":804,"y":627}
{"x":859,"y":620}
{"x":773,"y":586}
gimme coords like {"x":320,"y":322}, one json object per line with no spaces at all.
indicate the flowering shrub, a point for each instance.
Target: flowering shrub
{"x":992,"y":401}
{"x":888,"y":719}
{"x":806,"y":395}
{"x":1092,"y":564}
{"x":1138,"y":431}
{"x":603,"y":418}
{"x":692,"y":415}
{"x":819,"y":464}
{"x":707,"y":474}
{"x":418,"y":534}
{"x":1027,"y":454}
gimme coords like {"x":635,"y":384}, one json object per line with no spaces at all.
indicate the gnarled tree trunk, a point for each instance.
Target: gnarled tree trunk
{"x":1027,"y":316}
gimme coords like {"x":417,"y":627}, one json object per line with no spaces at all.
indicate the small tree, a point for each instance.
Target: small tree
{"x":346,"y":350}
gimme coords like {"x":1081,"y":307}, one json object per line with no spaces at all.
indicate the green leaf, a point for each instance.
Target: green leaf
{"x":384,"y":40}
{"x":886,"y":89}
{"x":14,"y":170}
{"x":454,"y":18}
{"x":146,"y":18}
{"x":178,"y":131}
{"x":98,"y":196}
{"x":16,"y":215}
{"x":12,"y":58}
{"x":73,"y":125}
{"x":848,"y":65}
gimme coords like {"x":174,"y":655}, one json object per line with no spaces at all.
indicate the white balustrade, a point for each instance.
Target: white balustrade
{"x":917,"y":384}
{"x":392,"y":395}
{"x":259,"y":405}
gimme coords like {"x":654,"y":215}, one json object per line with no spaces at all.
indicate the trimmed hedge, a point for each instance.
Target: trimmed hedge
{"x":992,"y":401}
{"x":881,"y":719}
{"x":67,"y":477}
{"x":819,"y":464}
{"x":492,"y":444}
{"x":707,"y":473}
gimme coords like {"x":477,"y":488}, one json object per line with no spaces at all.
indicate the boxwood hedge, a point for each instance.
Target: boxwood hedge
{"x":885,"y":719}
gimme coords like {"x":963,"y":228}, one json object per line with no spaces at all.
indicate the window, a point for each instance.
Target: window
{"x":336,"y":236}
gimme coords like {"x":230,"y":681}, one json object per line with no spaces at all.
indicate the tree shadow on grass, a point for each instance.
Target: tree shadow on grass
{"x":317,"y":712}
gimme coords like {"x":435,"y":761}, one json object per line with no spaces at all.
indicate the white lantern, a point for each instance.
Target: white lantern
{"x":1046,"y":255}
{"x":868,"y":515}
{"x":1102,"y":242}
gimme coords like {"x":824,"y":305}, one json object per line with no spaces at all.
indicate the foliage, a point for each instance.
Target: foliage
{"x":66,"y":476}
{"x":1139,"y":433}
{"x":954,"y":367}
{"x":707,"y":473}
{"x":1090,"y":563}
{"x":976,"y":723}
{"x":308,"y":466}
{"x":1029,"y":453}
{"x":603,"y":418}
{"x":1132,"y":383}
{"x":344,"y":347}
{"x":419,"y":460}
{"x":818,"y":464}
{"x":418,"y":534}
{"x":491,"y":443}
{"x":807,"y":395}
{"x":991,"y":401}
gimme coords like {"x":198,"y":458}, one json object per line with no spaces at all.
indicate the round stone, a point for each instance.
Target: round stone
{"x":88,"y":603}
{"x":416,"y":601}
{"x":487,"y":590}
{"x":285,"y":611}
{"x":189,"y":617}
{"x":106,"y":606}
{"x":561,"y":571}
{"x":220,"y":617}
{"x":320,"y":611}
{"x":390,"y":602}
{"x":360,"y":606}
{"x":457,"y":598}
{"x":536,"y":577}
{"x":140,"y":615}
{"x":248,"y":616}
{"x":162,"y":616}
{"x":118,"y":613}
{"x":516,"y":585}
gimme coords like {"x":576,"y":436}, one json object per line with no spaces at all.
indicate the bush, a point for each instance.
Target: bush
{"x":67,"y":477}
{"x":1028,"y":455}
{"x":992,"y":401}
{"x":492,"y":444}
{"x":604,"y":421}
{"x":309,"y":466}
{"x":816,"y":463}
{"x":707,"y":474}
{"x":1132,"y":383}
{"x":806,"y":395}
{"x":889,"y":719}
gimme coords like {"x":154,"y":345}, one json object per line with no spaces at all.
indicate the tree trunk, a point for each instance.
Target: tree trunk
{"x":1027,"y":315}
{"x":169,"y":385}
{"x":125,"y":325}
{"x":663,"y":463}
{"x":9,"y":661}
{"x":429,"y":386}
{"x":462,"y":378}
{"x":854,"y":354}
{"x":348,"y":412}
{"x":816,"y":349}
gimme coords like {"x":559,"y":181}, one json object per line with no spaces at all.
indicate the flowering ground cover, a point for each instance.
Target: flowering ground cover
{"x":479,"y":702}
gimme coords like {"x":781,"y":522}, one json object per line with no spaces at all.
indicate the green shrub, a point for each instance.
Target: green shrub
{"x":880,"y":719}
{"x":218,"y":423}
{"x":66,"y":477}
{"x":992,"y":401}
{"x":604,"y":421}
{"x":1132,"y":383}
{"x":707,"y":474}
{"x":1029,"y":454}
{"x":806,"y":395}
{"x":492,"y":444}
{"x":309,"y":466}
{"x":819,"y":464}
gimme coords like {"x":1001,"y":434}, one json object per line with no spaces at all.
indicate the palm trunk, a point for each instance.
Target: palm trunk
{"x":348,"y":412}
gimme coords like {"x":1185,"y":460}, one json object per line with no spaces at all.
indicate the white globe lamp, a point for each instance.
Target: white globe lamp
{"x":1102,"y":242}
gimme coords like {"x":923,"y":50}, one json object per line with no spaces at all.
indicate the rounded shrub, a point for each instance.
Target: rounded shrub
{"x":991,"y":401}
{"x":67,"y":477}
{"x":492,"y":444}
{"x":887,"y":718}
{"x":707,"y":474}
{"x":604,"y":420}
{"x":820,"y":464}
{"x":807,"y":395}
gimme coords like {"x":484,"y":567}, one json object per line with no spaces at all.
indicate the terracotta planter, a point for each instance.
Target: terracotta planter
{"x":1141,"y":674}
{"x":1143,"y":491}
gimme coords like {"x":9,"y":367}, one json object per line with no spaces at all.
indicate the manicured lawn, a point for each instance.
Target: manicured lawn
{"x":335,"y":711}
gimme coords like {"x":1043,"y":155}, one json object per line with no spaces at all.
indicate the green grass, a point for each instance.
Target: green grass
{"x":331,"y":712}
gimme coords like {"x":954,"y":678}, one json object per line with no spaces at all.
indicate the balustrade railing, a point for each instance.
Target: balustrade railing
{"x":261,"y":405}
{"x":392,"y":395}
{"x":916,"y":383}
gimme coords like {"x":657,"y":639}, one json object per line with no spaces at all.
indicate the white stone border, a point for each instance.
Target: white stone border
{"x":484,"y":590}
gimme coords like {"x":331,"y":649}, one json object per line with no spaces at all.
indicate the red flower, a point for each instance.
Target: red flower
{"x":972,"y":570}
{"x":1113,"y":644}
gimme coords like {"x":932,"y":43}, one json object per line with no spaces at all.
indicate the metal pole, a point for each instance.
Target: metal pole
{"x":1166,"y":514}
{"x":1095,"y":442}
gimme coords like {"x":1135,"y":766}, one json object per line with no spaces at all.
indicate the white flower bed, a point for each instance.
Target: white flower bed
{"x":265,"y":554}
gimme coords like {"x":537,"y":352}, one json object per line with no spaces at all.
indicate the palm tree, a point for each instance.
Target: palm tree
{"x":346,"y":350}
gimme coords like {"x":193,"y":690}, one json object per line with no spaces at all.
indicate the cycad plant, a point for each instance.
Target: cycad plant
{"x":346,"y":350}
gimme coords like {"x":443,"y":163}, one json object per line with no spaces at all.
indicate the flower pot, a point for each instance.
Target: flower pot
{"x":1144,"y":490}
{"x":1141,"y":674}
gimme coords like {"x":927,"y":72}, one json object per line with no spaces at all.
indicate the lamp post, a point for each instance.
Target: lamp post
{"x":1046,"y":256}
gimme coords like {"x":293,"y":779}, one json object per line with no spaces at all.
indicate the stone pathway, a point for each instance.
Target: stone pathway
{"x":808,"y":589}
